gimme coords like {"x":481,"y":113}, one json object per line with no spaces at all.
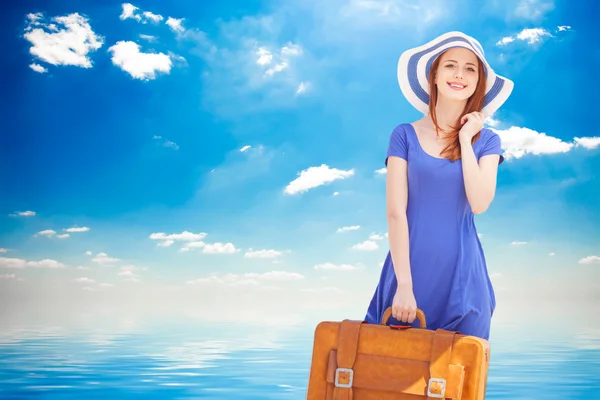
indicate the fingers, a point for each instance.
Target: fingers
{"x":411,"y":316}
{"x":404,"y":314}
{"x":475,"y":114}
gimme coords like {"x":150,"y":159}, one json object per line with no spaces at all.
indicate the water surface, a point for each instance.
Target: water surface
{"x":187,"y":359}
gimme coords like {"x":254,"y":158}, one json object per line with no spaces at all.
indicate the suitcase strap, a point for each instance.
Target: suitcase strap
{"x":346,"y":356}
{"x":439,"y":363}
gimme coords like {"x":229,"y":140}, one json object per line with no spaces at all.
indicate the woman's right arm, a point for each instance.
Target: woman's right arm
{"x":404,"y":307}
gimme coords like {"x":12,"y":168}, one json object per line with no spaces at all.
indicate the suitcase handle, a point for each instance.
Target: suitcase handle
{"x":420,"y":317}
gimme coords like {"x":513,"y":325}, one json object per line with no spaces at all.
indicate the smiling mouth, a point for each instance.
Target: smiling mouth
{"x":456,"y":86}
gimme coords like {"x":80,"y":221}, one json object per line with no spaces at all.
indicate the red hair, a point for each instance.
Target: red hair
{"x":474,"y":103}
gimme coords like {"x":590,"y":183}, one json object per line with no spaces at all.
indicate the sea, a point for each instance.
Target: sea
{"x":187,"y":358}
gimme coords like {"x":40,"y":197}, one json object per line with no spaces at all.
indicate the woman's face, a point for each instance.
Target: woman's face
{"x":457,"y":74}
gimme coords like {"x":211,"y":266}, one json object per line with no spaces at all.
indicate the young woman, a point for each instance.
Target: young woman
{"x":441,"y":170}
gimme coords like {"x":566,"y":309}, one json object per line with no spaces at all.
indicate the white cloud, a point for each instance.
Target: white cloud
{"x":175,"y":24}
{"x":129,"y":11}
{"x":47,"y":233}
{"x":3,"y":250}
{"x":590,"y":260}
{"x":517,"y":142}
{"x":149,"y":38}
{"x":219,"y":248}
{"x":38,"y":68}
{"x":367,"y":245}
{"x":88,"y":253}
{"x":129,"y":272}
{"x":76,"y":229}
{"x":529,"y":35}
{"x":336,"y":267}
{"x":23,"y":214}
{"x":155,"y":18}
{"x":515,"y":243}
{"x":505,"y":40}
{"x":245,"y":148}
{"x":6,"y":262}
{"x":375,"y":236}
{"x":7,"y":276}
{"x":19,"y":263}
{"x":275,"y":276}
{"x":192,"y":245}
{"x":262,"y":253}
{"x":314,"y":177}
{"x":194,"y":240}
{"x":103,"y":258}
{"x":52,"y":233}
{"x":348,"y":228}
{"x":143,"y":66}
{"x":85,"y":280}
{"x":303,"y":87}
{"x":278,"y":60}
{"x":491,"y":122}
{"x":166,"y":142}
{"x":247,"y":279}
{"x":184,"y":236}
{"x":323,"y":289}
{"x":250,"y":62}
{"x":69,"y":45}
{"x":589,"y":143}
{"x":381,"y":171}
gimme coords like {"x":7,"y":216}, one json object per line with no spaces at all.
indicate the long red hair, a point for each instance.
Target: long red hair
{"x":474,"y":103}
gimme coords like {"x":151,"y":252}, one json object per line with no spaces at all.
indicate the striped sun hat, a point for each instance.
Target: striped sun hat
{"x":414,"y":65}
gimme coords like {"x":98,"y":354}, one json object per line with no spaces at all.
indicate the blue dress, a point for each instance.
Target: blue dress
{"x":449,"y":273}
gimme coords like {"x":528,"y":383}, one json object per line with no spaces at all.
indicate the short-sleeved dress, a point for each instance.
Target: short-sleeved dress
{"x":449,"y":272}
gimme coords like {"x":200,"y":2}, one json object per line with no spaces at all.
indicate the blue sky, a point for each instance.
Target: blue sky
{"x":196,"y":151}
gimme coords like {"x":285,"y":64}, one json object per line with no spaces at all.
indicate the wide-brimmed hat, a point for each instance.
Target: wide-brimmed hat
{"x":414,"y":65}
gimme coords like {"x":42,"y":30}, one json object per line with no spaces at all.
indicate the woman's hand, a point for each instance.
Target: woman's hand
{"x":471,"y":123}
{"x":404,"y":306}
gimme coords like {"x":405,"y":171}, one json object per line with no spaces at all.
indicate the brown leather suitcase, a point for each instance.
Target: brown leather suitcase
{"x":353,"y":360}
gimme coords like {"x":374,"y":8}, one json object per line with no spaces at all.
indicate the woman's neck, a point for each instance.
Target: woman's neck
{"x":448,"y":113}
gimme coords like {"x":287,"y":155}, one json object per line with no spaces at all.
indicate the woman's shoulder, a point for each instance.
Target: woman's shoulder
{"x":405,"y":128}
{"x":400,"y":131}
{"x":487,"y":135}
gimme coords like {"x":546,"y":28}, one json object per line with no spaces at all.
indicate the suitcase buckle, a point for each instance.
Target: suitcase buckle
{"x":350,"y":377}
{"x":442,"y":382}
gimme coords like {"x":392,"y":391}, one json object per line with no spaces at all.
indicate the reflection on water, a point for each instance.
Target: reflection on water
{"x":211,"y":361}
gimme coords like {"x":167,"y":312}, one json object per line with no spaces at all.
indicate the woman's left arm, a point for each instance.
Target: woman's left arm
{"x":480,"y":178}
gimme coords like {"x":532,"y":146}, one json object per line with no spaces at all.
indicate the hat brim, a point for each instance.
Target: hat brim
{"x":414,"y":65}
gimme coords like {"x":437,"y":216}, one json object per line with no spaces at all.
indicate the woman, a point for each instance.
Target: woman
{"x":441,"y":170}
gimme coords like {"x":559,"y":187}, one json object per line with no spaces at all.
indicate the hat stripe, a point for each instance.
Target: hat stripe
{"x":494,"y":91}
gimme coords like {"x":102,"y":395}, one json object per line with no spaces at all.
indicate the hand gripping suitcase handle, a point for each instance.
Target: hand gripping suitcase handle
{"x":420,"y":317}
